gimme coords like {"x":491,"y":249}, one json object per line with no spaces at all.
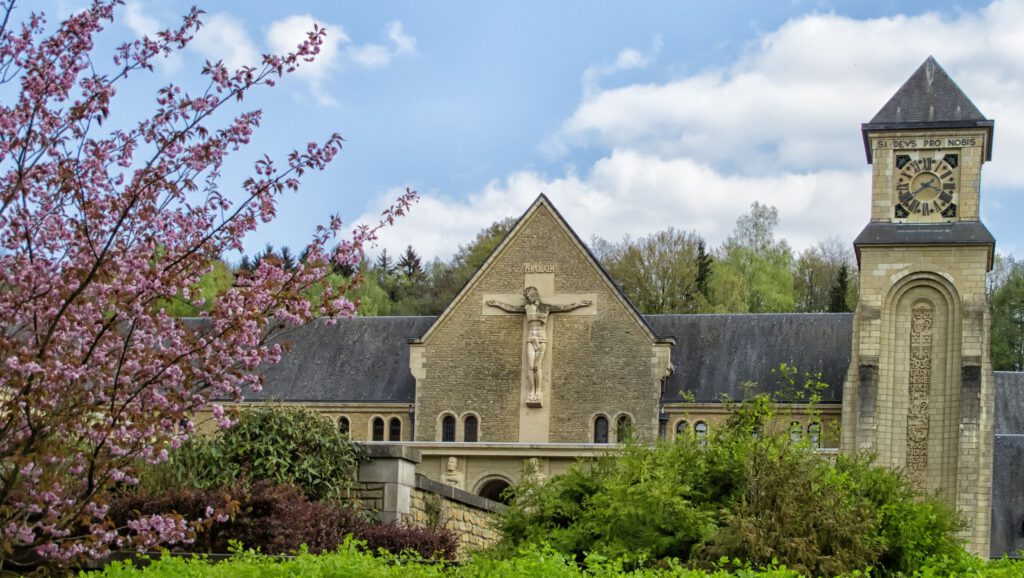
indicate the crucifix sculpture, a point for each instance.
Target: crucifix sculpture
{"x":536,"y":338}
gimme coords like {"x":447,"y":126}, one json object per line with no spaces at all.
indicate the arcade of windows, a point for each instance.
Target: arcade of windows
{"x":603,"y":434}
{"x":377,"y":428}
{"x":470,"y":428}
{"x":623,"y":428}
{"x":796,"y":431}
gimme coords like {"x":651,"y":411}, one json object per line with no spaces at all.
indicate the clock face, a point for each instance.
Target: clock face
{"x":926,"y":186}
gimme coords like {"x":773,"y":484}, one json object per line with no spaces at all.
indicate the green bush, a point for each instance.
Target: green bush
{"x":279,"y":519}
{"x":281,"y":444}
{"x":750,"y":493}
{"x":353,"y":560}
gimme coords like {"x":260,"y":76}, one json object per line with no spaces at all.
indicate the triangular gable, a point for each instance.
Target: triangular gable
{"x":542,"y":201}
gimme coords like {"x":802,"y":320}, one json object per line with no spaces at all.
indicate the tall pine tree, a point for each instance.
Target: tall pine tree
{"x":837,"y":296}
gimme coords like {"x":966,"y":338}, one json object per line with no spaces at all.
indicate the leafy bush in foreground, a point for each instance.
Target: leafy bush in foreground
{"x":286,"y":445}
{"x":749,"y":493}
{"x":353,"y":560}
{"x":278,"y":519}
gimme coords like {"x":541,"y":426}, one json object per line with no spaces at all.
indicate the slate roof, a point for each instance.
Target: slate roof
{"x":355,"y":360}
{"x":366,"y":359}
{"x":716,"y":354}
{"x":1008,"y":467}
{"x":1009,"y":402}
{"x":928,"y":99}
{"x":956,"y":233}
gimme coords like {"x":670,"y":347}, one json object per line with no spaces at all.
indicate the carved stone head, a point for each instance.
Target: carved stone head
{"x":453,"y":464}
{"x":531,"y":294}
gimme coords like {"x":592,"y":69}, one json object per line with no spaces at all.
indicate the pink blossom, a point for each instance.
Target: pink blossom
{"x":97,"y":229}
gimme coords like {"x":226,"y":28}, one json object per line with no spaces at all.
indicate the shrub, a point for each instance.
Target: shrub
{"x":286,"y":445}
{"x":751,"y":493}
{"x":279,"y":519}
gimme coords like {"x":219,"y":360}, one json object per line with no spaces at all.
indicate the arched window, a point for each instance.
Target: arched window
{"x":682,"y":426}
{"x":344,"y":425}
{"x":448,"y":428}
{"x":378,"y":429}
{"x":701,"y":429}
{"x":623,"y":428}
{"x":395,"y":430}
{"x":814,"y":434}
{"x":601,"y":430}
{"x":470,"y":429}
{"x":796,"y":431}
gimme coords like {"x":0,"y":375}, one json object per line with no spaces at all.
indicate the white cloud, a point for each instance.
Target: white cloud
{"x":627,"y":59}
{"x":140,"y":22}
{"x":632,"y":193}
{"x":337,"y":51}
{"x":404,"y":44}
{"x":369,"y":55}
{"x":223,"y":37}
{"x":378,"y":55}
{"x":793,"y":100}
{"x":285,"y":35}
{"x":143,"y":24}
{"x":780,"y":125}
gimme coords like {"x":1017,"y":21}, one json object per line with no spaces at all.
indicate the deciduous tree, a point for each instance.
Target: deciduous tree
{"x":660,"y":273}
{"x":100,"y":227}
{"x":763,"y":262}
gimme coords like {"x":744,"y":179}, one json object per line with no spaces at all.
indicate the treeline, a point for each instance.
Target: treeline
{"x":669,"y":271}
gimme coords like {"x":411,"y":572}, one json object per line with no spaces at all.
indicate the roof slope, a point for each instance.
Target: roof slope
{"x":365,"y":359}
{"x":928,"y":99}
{"x":929,"y":95}
{"x":716,"y":354}
{"x":1009,"y":402}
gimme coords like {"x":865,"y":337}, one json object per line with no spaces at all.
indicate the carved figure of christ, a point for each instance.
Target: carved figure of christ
{"x":536,"y":312}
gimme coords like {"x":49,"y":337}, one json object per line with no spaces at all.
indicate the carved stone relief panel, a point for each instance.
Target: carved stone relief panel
{"x":922,"y":315}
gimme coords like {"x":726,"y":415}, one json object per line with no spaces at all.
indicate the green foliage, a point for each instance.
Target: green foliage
{"x":763,"y":263}
{"x":353,"y":560}
{"x":661,"y":273}
{"x":214,"y":282}
{"x":752,"y":493}
{"x":285,"y":445}
{"x":1008,"y":321}
{"x":837,"y":295}
{"x":815,"y":277}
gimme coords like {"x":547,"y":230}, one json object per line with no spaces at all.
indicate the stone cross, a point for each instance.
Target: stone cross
{"x":536,"y":305}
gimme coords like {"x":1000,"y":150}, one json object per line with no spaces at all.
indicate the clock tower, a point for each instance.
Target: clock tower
{"x":919,"y":392}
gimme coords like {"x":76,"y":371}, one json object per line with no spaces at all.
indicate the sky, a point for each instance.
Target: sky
{"x":631,"y":117}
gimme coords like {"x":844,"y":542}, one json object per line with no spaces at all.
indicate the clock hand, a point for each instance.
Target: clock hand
{"x":919,"y":189}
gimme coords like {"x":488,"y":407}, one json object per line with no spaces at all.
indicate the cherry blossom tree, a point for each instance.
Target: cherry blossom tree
{"x":99,"y":228}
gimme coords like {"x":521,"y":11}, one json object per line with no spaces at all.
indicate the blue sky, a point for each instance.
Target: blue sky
{"x":632,"y":117}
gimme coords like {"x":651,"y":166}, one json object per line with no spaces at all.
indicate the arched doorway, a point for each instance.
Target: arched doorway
{"x":494,"y":489}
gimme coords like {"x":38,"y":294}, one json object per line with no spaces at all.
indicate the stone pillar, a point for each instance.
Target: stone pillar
{"x":394,"y":467}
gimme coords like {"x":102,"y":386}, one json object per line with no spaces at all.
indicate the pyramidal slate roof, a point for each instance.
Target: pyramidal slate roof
{"x":928,"y":99}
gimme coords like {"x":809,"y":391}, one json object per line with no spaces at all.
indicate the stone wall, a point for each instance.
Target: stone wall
{"x":436,"y":505}
{"x":371,"y":494}
{"x":390,"y":488}
{"x":602,"y":357}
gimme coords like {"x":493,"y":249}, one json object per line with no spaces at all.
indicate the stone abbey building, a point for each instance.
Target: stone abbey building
{"x":541,"y":359}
